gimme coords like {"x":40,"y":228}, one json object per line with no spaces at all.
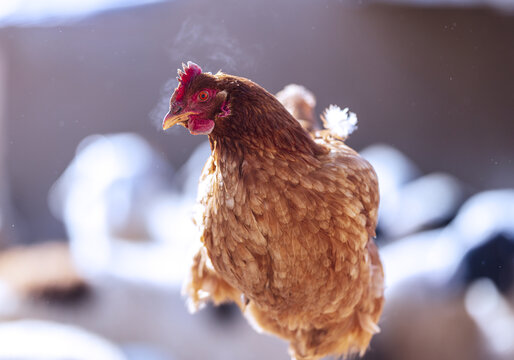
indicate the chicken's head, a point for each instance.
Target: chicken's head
{"x":197,"y":102}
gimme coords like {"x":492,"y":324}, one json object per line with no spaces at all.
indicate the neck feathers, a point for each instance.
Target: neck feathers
{"x":259,"y":122}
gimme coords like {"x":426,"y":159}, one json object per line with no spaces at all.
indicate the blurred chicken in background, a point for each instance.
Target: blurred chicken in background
{"x":105,"y":198}
{"x":410,"y":202}
{"x":300,"y":103}
{"x":43,"y":272}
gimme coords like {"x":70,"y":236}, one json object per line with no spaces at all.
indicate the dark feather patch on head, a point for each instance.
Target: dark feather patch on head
{"x":185,"y":77}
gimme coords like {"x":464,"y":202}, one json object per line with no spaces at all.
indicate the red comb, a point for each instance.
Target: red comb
{"x":184,"y":77}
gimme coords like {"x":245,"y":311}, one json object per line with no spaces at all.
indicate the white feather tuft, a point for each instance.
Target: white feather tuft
{"x":341,"y":122}
{"x":294,"y":92}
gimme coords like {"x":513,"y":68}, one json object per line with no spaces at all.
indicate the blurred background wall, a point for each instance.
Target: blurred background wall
{"x":437,"y":83}
{"x":3,"y":172}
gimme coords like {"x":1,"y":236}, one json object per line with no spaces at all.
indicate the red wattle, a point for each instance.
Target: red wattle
{"x":200,"y":126}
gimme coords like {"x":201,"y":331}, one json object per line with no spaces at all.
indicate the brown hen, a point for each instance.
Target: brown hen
{"x":287,"y":218}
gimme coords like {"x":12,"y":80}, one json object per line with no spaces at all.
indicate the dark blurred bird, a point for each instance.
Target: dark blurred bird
{"x":287,"y":217}
{"x":42,"y":272}
{"x":493,"y":259}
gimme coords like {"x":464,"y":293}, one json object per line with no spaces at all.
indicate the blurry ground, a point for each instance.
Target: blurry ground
{"x":435,"y":83}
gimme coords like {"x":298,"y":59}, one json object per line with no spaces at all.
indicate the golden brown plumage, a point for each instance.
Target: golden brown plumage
{"x":287,"y":220}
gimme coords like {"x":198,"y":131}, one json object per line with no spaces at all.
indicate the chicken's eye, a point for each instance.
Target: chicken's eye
{"x":203,"y":96}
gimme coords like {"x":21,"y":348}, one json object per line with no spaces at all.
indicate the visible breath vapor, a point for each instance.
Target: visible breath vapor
{"x":209,"y":41}
{"x":206,"y":41}
{"x":162,"y":107}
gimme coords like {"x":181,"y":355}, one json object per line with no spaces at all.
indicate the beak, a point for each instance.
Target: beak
{"x":170,"y":119}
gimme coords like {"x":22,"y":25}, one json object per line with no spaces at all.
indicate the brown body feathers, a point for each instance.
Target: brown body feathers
{"x":287,"y":223}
